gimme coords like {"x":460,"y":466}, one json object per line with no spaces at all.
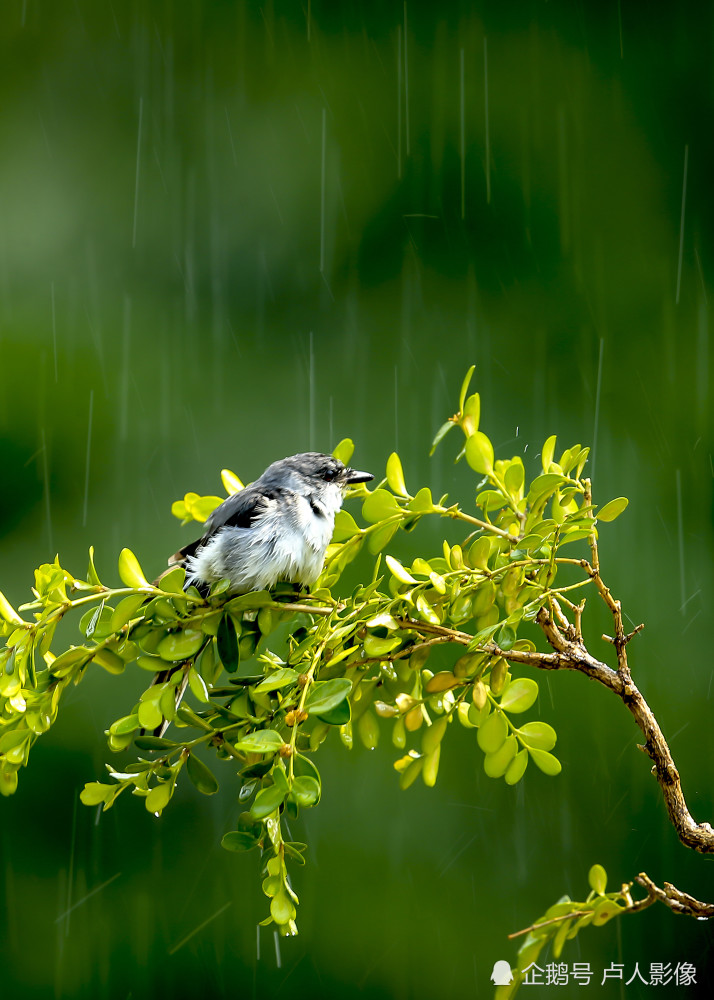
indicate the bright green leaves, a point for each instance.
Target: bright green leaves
{"x":395,"y":475}
{"x":398,"y":571}
{"x":262,"y":684}
{"x":95,"y":793}
{"x":562,"y":921}
{"x":131,"y":572}
{"x":344,"y":451}
{"x":537,"y":735}
{"x":597,"y":877}
{"x":547,"y":453}
{"x":196,"y":508}
{"x":492,"y":733}
{"x":159,"y":797}
{"x":520,"y":695}
{"x":231,"y":482}
{"x":612,"y":509}
{"x":547,"y":763}
{"x":8,"y":613}
{"x":379,"y":505}
{"x":479,"y":453}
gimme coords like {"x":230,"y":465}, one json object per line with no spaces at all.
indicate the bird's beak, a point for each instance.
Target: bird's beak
{"x":353,"y":476}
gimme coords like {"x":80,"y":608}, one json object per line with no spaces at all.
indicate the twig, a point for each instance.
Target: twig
{"x":673,"y":898}
{"x":545,"y":923}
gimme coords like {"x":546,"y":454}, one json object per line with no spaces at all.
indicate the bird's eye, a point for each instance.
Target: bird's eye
{"x":329,"y":475}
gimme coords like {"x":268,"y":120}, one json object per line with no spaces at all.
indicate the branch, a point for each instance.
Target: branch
{"x":673,"y":898}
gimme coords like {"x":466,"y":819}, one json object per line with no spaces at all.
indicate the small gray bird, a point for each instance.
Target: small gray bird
{"x":278,"y":528}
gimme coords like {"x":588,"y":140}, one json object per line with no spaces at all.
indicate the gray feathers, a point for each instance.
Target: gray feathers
{"x":278,"y":528}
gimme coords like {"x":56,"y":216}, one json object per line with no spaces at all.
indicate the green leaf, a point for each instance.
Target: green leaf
{"x":238,"y":840}
{"x":150,"y":716}
{"x":158,"y":797}
{"x":492,"y":734}
{"x":201,"y":776}
{"x":395,"y":475}
{"x":426,"y":611}
{"x":258,"y":599}
{"x":612,"y":509}
{"x":8,"y":613}
{"x":506,"y":637}
{"x":376,"y":647}
{"x":514,"y":477}
{"x":517,"y":768}
{"x":231,"y":482}
{"x":326,"y":695}
{"x":154,"y":743}
{"x":125,"y":611}
{"x":440,"y":435}
{"x":277,"y":679}
{"x":95,"y":792}
{"x":181,"y":645}
{"x":543,"y":486}
{"x":605,"y":910}
{"x":479,"y":453}
{"x":546,"y":761}
{"x":398,"y":571}
{"x":538,"y":735}
{"x":227,"y":644}
{"x":200,"y":508}
{"x":465,"y":388}
{"x":197,"y":685}
{"x":173,"y":581}
{"x":344,"y":451}
{"x":267,"y":801}
{"x":479,"y":552}
{"x":547,"y":452}
{"x":305,"y":791}
{"x":379,"y":505}
{"x":337,"y":716}
{"x":345,"y":527}
{"x":128,"y":724}
{"x":92,"y":576}
{"x":520,"y":694}
{"x":131,"y":572}
{"x":422,"y":503}
{"x":381,"y":536}
{"x":262,"y":741}
{"x":597,"y":878}
{"x":496,"y":764}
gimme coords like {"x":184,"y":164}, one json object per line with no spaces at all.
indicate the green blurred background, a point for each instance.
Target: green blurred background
{"x":231,"y":231}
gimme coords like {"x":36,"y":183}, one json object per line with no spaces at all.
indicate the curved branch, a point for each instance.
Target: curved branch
{"x":673,"y":898}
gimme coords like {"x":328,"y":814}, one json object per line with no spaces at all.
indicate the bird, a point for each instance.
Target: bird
{"x":276,"y":529}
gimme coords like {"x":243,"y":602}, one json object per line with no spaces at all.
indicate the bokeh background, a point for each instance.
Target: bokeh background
{"x":230,"y":231}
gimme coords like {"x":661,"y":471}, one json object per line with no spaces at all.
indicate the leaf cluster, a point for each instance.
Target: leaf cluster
{"x":259,"y":681}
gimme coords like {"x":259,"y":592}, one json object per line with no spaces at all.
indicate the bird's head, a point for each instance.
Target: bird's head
{"x":311,"y":472}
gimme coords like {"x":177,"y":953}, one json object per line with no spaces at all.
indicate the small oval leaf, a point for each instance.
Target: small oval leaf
{"x":131,"y":572}
{"x":612,"y":509}
{"x":520,"y":694}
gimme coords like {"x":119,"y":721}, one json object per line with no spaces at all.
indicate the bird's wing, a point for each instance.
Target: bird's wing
{"x":238,"y":511}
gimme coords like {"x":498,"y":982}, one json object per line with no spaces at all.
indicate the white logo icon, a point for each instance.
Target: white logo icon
{"x":501,"y":975}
